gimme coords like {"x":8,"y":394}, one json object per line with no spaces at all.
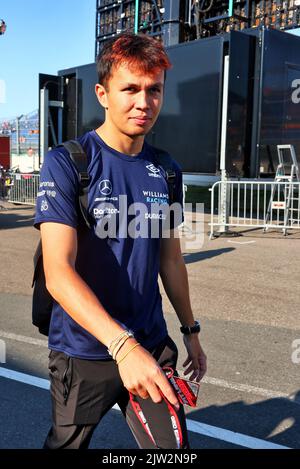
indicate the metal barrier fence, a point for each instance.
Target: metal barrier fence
{"x":24,"y":188}
{"x":254,"y":204}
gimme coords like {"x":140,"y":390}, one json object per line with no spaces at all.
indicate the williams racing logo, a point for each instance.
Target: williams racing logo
{"x":154,"y":172}
{"x":156,"y":197}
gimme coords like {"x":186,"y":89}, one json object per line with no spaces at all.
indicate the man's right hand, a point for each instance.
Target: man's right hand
{"x":142,"y":376}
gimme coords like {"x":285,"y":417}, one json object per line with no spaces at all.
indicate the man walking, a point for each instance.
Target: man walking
{"x":108,"y":338}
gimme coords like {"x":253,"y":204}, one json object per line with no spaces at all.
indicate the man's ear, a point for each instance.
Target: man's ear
{"x":101,"y":95}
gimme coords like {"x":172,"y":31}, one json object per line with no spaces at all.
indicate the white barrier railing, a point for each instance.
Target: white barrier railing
{"x":24,"y":188}
{"x":254,"y":204}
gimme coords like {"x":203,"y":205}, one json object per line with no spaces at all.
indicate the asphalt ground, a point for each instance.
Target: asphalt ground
{"x":244,"y":290}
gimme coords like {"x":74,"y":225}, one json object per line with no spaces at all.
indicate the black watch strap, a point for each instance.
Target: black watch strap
{"x":187,"y":330}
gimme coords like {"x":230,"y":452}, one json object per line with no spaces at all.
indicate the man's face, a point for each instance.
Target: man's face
{"x":133,"y":100}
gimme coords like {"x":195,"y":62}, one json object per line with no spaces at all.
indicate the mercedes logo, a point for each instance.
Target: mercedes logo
{"x":105,"y":187}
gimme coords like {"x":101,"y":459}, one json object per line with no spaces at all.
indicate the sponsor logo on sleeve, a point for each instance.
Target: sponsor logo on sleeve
{"x":46,"y":188}
{"x":44,"y":206}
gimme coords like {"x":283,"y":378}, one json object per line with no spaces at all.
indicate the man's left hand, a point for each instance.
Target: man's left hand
{"x":196,"y":359}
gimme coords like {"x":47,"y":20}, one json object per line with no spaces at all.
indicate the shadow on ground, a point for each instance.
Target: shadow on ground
{"x":271,"y":233}
{"x":264,"y":419}
{"x":16,"y":218}
{"x":189,"y":258}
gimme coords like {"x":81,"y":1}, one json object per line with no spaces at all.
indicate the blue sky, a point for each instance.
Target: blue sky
{"x":42,"y":36}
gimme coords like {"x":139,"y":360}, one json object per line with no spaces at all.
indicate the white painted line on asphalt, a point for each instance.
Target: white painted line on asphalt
{"x":241,"y":242}
{"x":24,"y":378}
{"x":245,"y":388}
{"x":231,"y":437}
{"x":192,"y":425}
{"x":23,"y":338}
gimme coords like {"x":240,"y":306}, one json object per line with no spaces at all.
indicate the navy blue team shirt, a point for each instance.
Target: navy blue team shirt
{"x":121,"y":271}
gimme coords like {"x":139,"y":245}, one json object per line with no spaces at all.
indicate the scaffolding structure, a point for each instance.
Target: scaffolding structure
{"x":185,"y":20}
{"x":114,"y":17}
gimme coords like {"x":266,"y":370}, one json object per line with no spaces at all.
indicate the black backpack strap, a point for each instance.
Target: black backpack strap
{"x":163,"y":159}
{"x":79,"y":158}
{"x":37,"y":259}
{"x":42,"y":301}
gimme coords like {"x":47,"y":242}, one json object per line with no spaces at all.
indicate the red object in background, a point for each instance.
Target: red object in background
{"x":5,"y":152}
{"x":2,"y":27}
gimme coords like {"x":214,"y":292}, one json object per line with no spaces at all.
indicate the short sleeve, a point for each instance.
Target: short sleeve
{"x":58,"y":190}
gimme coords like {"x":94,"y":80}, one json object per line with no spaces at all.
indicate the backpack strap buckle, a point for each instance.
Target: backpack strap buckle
{"x":84,"y":178}
{"x":171,"y":176}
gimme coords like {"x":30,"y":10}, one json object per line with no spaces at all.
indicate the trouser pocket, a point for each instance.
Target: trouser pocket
{"x":67,"y":379}
{"x":82,"y":390}
{"x":61,"y":373}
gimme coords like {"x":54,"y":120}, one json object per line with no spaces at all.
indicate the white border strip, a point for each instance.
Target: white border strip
{"x":245,"y":388}
{"x":192,"y":425}
{"x":24,"y":378}
{"x":231,"y":437}
{"x":23,"y":338}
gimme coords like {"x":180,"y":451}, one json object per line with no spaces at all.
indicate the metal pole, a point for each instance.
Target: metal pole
{"x":230,"y":8}
{"x":44,"y":109}
{"x":60,"y":126}
{"x":190,"y":12}
{"x":136,"y":17}
{"x":224,"y":214}
{"x":18,"y":136}
{"x":18,"y":118}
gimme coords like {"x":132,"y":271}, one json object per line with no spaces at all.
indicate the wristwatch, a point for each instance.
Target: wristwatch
{"x":187,"y":330}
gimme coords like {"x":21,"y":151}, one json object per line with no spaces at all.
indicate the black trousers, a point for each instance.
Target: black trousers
{"x":83,"y":391}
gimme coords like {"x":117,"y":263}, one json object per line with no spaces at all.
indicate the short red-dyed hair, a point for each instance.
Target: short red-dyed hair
{"x":138,"y":51}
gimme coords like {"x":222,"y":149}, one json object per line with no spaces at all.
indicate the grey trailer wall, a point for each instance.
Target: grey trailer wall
{"x":189,"y":123}
{"x":82,"y":110}
{"x":280,"y":98}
